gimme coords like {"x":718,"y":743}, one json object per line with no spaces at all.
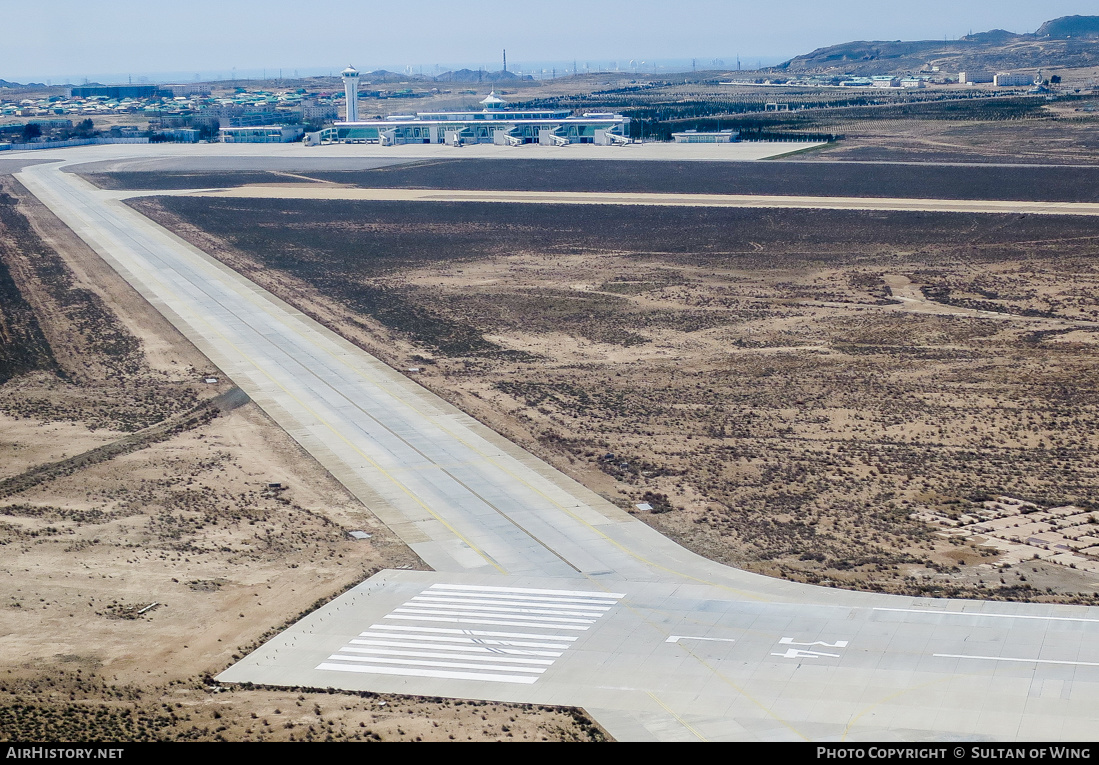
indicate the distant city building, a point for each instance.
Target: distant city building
{"x":190,"y":89}
{"x":247,"y":116}
{"x":315,"y":112}
{"x":262,"y":134}
{"x":970,"y":77}
{"x":182,"y":135}
{"x":119,"y":91}
{"x":494,"y":124}
{"x":1012,"y":79}
{"x":694,"y":136}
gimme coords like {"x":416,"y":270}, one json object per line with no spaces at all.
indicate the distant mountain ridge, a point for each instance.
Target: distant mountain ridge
{"x":460,"y":75}
{"x":1068,"y":41}
{"x":474,"y":75}
{"x":19,"y":86}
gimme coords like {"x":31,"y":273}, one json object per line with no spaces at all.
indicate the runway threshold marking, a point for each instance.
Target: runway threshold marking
{"x":474,"y":653}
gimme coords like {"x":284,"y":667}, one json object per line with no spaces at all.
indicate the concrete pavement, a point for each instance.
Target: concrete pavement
{"x":543,"y":592}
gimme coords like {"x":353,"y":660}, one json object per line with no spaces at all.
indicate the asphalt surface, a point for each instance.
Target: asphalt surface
{"x":774,"y":178}
{"x":784,"y":178}
{"x":543,"y":592}
{"x":318,"y":191}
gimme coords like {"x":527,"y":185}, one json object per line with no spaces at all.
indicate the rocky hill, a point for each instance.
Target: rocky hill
{"x":1070,"y":27}
{"x":472,"y":75}
{"x":1069,"y":41}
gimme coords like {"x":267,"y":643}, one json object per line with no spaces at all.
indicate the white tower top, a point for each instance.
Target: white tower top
{"x":493,"y":101}
{"x":351,"y":92}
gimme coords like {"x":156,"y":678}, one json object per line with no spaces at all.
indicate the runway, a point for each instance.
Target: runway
{"x":543,"y":592}
{"x":666,"y":200}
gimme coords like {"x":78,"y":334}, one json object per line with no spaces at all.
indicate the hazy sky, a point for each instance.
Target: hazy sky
{"x":73,"y":39}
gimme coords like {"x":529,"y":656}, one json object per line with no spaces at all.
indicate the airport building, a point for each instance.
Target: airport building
{"x":495,"y":124}
{"x":971,"y":77}
{"x":695,"y":136}
{"x":1013,"y":79}
{"x":262,"y":134}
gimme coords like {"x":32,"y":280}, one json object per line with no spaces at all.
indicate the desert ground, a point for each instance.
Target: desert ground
{"x":834,"y":397}
{"x":773,"y":177}
{"x":156,"y":525}
{"x":890,"y":401}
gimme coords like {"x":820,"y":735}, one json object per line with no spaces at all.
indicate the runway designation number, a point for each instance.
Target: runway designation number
{"x":802,"y":653}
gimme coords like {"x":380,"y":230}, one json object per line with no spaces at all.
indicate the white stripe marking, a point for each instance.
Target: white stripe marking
{"x":991,"y":616}
{"x":466,"y":640}
{"x":448,"y":664}
{"x":447,"y":631}
{"x":452,"y":620}
{"x":531,"y":598}
{"x":429,"y":673}
{"x":495,"y":653}
{"x":477,"y":612}
{"x":527,"y":591}
{"x":497,"y":609}
{"x":519,"y":603}
{"x":1008,"y":658}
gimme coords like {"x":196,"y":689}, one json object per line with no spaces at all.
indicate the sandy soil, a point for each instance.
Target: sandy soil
{"x":1066,"y":136}
{"x":751,"y":378}
{"x":126,"y":583}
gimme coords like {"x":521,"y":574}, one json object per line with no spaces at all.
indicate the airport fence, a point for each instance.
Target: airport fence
{"x":70,"y":142}
{"x":772,"y":135}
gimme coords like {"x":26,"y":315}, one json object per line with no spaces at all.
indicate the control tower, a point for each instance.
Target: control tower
{"x":351,"y":90}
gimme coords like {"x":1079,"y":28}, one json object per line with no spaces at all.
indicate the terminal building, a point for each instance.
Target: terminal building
{"x":495,"y":124}
{"x":262,"y":134}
